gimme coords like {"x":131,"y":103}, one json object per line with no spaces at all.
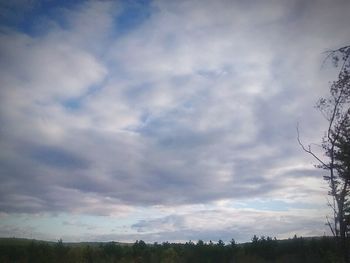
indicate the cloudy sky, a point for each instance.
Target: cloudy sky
{"x":163,"y":120}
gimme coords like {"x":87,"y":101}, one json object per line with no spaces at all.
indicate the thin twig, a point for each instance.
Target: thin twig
{"x":309,"y":150}
{"x":330,"y":226}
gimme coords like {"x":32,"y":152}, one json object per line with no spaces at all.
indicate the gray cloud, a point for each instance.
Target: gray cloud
{"x":197,"y":103}
{"x":56,"y":157}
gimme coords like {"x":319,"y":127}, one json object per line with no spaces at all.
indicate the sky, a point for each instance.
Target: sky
{"x":164,"y":120}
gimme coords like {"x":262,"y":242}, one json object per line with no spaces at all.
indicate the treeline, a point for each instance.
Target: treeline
{"x":260,"y":249}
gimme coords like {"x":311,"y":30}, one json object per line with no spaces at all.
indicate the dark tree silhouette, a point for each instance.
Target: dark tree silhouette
{"x":264,"y":249}
{"x":336,"y":146}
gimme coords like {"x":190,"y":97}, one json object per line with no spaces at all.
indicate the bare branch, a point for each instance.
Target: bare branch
{"x":330,"y":226}
{"x":309,"y":150}
{"x":332,"y":206}
{"x":334,"y":112}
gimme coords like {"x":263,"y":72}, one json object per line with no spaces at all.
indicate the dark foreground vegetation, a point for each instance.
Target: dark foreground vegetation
{"x":298,"y":249}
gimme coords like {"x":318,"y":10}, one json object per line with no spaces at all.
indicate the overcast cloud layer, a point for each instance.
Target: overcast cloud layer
{"x":165,"y":120}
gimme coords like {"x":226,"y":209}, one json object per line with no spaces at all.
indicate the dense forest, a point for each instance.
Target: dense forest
{"x":260,"y":249}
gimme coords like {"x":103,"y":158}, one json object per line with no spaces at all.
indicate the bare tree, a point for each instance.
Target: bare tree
{"x":336,"y":147}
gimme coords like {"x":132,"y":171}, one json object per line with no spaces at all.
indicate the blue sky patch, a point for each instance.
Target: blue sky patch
{"x":133,"y":14}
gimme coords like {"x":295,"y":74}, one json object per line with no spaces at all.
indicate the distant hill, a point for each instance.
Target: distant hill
{"x":26,"y":241}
